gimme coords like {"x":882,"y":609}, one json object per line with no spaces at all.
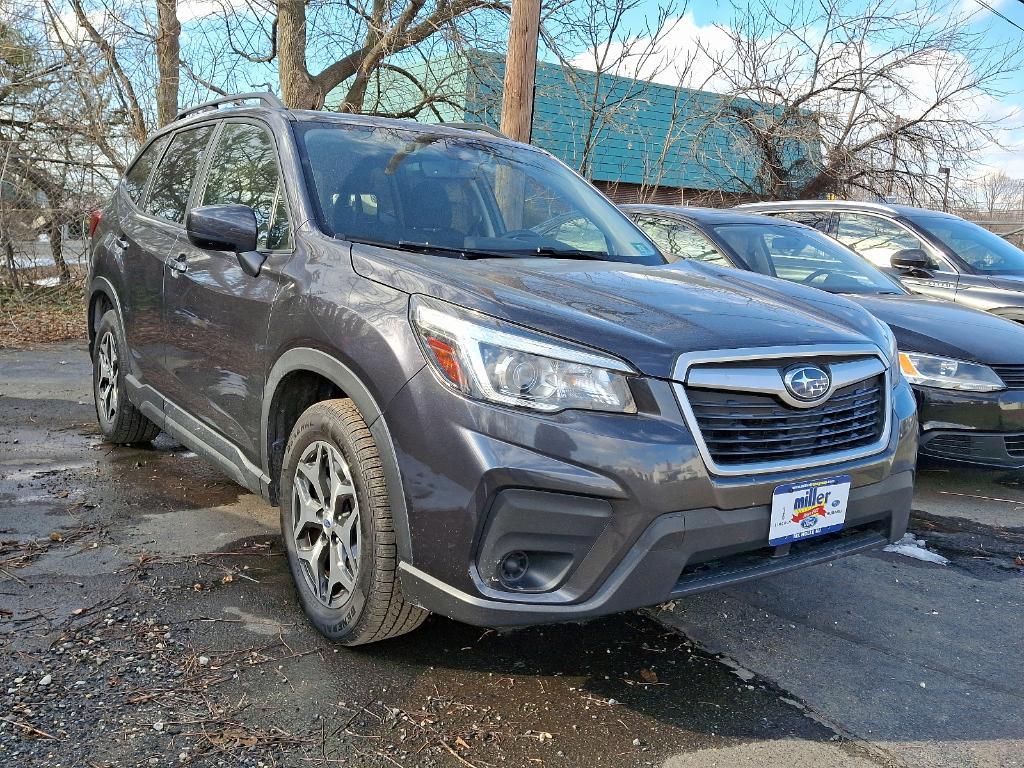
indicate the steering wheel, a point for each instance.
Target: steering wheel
{"x":815,"y":275}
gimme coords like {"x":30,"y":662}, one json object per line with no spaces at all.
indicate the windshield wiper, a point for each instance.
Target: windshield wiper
{"x":561,"y":253}
{"x":414,"y":247}
{"x":467,"y":253}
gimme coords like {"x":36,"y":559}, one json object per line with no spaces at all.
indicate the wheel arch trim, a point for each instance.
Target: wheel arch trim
{"x":326,"y":365}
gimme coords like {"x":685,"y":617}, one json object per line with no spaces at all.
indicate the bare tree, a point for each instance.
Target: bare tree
{"x":999,"y":192}
{"x":827,"y":96}
{"x":365,"y":34}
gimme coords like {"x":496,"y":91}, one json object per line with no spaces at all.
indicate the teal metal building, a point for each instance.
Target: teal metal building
{"x":634,"y":139}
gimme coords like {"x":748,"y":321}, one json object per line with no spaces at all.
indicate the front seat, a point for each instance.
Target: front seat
{"x":429,"y":214}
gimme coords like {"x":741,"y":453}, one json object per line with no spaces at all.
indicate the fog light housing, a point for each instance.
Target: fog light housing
{"x":512,"y":568}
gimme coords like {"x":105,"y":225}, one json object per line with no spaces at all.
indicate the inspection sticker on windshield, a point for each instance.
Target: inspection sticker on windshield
{"x":810,"y":508}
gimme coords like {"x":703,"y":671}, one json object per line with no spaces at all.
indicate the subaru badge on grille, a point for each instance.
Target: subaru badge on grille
{"x":807,"y":382}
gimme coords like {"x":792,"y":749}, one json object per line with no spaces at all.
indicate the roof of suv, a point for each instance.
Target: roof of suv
{"x":846,"y":205}
{"x":235,"y":105}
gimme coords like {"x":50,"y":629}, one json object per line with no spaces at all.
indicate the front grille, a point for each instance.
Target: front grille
{"x":1015,"y":446}
{"x":745,"y":428}
{"x":1012,"y":375}
{"x":954,"y":445}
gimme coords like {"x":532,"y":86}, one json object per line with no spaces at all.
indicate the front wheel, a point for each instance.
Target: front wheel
{"x":338,"y":530}
{"x":120,"y":421}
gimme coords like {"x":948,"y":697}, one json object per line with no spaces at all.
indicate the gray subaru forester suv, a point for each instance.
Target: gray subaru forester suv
{"x":463,"y":407}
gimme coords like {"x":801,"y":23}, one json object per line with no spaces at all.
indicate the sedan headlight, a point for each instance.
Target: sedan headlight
{"x":948,"y":373}
{"x":492,"y":360}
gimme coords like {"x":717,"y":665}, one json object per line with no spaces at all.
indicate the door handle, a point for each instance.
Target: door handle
{"x":122,"y":242}
{"x":179,"y":263}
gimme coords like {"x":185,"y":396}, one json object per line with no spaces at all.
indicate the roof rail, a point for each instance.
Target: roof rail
{"x":265,"y":97}
{"x":482,"y":127}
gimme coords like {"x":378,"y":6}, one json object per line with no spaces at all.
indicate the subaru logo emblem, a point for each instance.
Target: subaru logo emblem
{"x":807,"y":382}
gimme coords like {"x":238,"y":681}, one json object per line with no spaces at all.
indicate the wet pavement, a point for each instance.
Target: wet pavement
{"x":147,"y":618}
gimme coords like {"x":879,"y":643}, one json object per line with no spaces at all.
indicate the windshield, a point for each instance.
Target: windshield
{"x":459,"y":196}
{"x":981,"y":249}
{"x":803,"y":255}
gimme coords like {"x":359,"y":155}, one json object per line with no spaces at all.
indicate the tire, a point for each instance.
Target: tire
{"x":120,"y":421}
{"x":342,"y":554}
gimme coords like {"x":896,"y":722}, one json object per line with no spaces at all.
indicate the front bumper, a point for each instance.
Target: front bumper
{"x":684,"y":553}
{"x":985,"y":428}
{"x":625,"y":501}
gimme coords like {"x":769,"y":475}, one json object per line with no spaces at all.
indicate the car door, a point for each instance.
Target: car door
{"x":216,"y":315}
{"x":877,"y":238}
{"x":131,"y":242}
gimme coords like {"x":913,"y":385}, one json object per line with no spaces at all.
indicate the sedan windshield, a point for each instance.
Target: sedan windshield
{"x":981,"y":249}
{"x":461,"y":196}
{"x":802,"y":255}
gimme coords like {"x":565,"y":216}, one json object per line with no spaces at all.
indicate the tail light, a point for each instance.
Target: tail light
{"x":94,"y":221}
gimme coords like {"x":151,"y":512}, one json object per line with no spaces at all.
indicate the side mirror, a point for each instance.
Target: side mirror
{"x":910,"y":260}
{"x":226,"y":228}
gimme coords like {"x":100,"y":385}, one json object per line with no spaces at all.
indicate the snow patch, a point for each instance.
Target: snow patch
{"x":47,"y":282}
{"x":911,"y":546}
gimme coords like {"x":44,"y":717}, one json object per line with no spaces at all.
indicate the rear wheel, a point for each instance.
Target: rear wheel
{"x":338,"y":530}
{"x":120,"y":421}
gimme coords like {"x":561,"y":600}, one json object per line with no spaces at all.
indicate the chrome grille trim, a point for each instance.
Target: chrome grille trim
{"x":869,"y":360}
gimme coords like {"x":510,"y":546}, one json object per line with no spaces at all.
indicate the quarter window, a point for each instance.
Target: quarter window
{"x":875,"y":238}
{"x":680,"y":241}
{"x":172,"y":183}
{"x":136,"y":178}
{"x":243,"y":171}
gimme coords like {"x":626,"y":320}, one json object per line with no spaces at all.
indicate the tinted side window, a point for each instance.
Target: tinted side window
{"x":136,"y":178}
{"x":172,"y":182}
{"x":680,"y":241}
{"x":243,"y":171}
{"x":873,"y":237}
{"x":823,"y":221}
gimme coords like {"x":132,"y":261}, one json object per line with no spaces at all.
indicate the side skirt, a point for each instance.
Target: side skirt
{"x":193,"y":433}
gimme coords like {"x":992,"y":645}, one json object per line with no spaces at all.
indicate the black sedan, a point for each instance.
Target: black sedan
{"x":966,"y":366}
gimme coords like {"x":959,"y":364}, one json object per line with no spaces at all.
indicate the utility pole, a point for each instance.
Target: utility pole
{"x":520,"y":70}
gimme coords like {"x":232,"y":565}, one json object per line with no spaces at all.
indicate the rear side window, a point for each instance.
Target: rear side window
{"x":821,"y":220}
{"x":136,"y":178}
{"x":243,"y":171}
{"x":680,"y":241}
{"x":172,"y":182}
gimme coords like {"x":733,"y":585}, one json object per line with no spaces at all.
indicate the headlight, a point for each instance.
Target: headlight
{"x":947,"y":373}
{"x":491,"y":360}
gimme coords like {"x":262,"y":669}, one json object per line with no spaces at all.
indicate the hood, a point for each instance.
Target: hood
{"x":647,"y":316}
{"x":943,"y":328}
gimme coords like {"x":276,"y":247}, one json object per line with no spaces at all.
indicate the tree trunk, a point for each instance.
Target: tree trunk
{"x":57,"y":248}
{"x":12,"y":268}
{"x":298,"y":89}
{"x":168,"y":60}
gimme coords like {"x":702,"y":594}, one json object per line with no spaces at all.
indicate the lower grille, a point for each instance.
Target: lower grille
{"x":1015,"y":446}
{"x":745,"y":428}
{"x":1012,"y":375}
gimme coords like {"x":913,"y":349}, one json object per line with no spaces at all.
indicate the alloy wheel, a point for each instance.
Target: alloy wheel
{"x":106,"y":384}
{"x":325,"y":523}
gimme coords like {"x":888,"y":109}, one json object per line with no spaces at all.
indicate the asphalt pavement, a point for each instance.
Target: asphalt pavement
{"x":147,"y":618}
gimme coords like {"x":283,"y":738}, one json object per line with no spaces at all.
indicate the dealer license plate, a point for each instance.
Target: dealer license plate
{"x":809,"y":508}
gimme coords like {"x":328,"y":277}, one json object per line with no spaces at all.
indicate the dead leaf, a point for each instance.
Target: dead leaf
{"x":648,"y":676}
{"x":55,"y":536}
{"x":461,"y":742}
